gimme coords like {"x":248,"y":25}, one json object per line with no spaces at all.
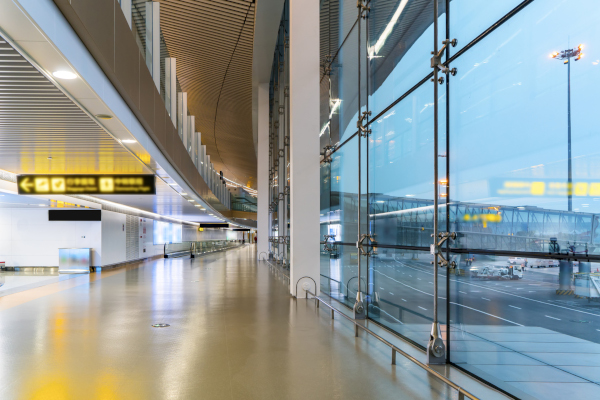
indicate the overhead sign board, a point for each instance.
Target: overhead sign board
{"x":86,"y":184}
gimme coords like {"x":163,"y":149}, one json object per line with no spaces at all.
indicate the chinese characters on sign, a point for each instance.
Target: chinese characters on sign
{"x":86,"y":184}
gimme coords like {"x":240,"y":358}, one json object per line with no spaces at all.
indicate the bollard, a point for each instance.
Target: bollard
{"x":393,"y":356}
{"x":331,"y":314}
{"x":355,"y":330}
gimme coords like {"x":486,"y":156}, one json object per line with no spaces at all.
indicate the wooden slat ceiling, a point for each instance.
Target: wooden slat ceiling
{"x":212,"y":41}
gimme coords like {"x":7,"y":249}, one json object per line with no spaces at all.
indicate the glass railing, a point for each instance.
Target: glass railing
{"x":185,"y":249}
{"x":243,"y":203}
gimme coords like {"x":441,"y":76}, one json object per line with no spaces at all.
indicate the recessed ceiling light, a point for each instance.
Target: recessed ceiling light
{"x":49,"y":158}
{"x":183,"y":194}
{"x":197,"y":205}
{"x":172,"y":184}
{"x":64,"y":75}
{"x":191,"y":201}
{"x":104,"y":116}
{"x":128,"y":141}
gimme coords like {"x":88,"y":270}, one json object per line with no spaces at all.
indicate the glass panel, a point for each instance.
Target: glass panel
{"x":344,"y":191}
{"x":469,"y":18}
{"x":345,"y":71}
{"x":509,"y":133}
{"x":400,"y":45}
{"x":402,"y":297}
{"x":510,"y":326}
{"x":401,"y":171}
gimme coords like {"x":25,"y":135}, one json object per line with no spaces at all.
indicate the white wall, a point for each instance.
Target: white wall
{"x":147,"y":246}
{"x":113,"y":238}
{"x":191,"y":234}
{"x":28,"y":239}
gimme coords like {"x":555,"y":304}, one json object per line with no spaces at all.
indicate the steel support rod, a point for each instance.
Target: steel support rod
{"x":435,"y":349}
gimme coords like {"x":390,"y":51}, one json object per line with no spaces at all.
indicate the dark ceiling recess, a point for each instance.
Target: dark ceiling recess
{"x":212,"y":41}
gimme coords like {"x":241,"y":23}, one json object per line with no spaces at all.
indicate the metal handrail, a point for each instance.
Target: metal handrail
{"x":461,"y":392}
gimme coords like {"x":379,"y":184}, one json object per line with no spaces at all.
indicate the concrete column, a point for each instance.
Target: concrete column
{"x":171,"y":88}
{"x":153,"y":40}
{"x":126,"y":7}
{"x":182,"y":116}
{"x":565,"y":271}
{"x":585,"y":267}
{"x":262,"y":173}
{"x":304,"y":145}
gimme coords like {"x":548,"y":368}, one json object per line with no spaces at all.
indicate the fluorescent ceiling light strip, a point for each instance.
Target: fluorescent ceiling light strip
{"x":388,"y":29}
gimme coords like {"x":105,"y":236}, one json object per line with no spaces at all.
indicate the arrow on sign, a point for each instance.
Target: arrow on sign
{"x":26,"y":185}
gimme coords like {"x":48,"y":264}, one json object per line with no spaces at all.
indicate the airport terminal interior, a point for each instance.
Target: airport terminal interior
{"x":299,"y":199}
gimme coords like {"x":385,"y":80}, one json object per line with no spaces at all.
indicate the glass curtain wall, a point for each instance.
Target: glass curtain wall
{"x":518,"y":181}
{"x":279,"y":147}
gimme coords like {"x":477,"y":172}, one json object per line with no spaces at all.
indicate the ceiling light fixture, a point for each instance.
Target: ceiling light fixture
{"x":49,"y":158}
{"x":64,"y":75}
{"x":104,"y":116}
{"x":128,"y":141}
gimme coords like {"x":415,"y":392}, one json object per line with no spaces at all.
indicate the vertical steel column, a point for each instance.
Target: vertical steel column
{"x":281,"y":209}
{"x":448,"y":186}
{"x":285,"y":146}
{"x":359,"y":308}
{"x":435,"y":349}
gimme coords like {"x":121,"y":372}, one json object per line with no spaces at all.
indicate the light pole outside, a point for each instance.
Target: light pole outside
{"x":566,"y":55}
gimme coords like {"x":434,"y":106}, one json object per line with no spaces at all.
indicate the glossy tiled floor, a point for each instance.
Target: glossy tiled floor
{"x":235,"y":334}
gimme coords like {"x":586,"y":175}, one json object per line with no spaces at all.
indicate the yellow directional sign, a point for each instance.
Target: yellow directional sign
{"x":86,"y":184}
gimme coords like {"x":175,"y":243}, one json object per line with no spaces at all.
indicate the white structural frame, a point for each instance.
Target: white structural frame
{"x":153,"y":40}
{"x":304,"y":147}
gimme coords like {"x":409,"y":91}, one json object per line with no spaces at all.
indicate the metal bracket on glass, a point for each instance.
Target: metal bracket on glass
{"x":276,"y":162}
{"x":368,"y":241}
{"x":281,"y":153}
{"x":286,"y":141}
{"x":327,"y":151}
{"x":281,"y":240}
{"x":281,"y":110}
{"x":327,"y":65}
{"x":281,"y":195}
{"x":364,"y":132}
{"x":362,"y":7}
{"x":436,"y":60}
{"x":435,"y":248}
{"x":286,"y":91}
{"x":286,"y":191}
{"x":326,"y":246}
{"x":276,"y":123}
{"x":286,"y":240}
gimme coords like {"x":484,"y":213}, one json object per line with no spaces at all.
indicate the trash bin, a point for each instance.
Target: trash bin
{"x":74,"y":261}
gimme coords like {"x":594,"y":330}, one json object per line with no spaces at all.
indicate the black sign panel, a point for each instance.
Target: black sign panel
{"x":74,"y":215}
{"x":215,"y":225}
{"x":86,"y":184}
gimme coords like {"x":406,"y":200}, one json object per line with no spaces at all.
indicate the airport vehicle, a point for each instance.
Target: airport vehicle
{"x":541,"y":263}
{"x":489,"y":272}
{"x":517,"y":260}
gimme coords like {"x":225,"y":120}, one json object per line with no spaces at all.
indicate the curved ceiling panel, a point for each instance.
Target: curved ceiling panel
{"x":212,"y":41}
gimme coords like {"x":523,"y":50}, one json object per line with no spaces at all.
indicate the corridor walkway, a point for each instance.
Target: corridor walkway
{"x":234,"y":333}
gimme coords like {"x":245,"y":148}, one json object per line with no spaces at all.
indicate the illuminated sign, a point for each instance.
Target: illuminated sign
{"x":86,"y":184}
{"x":483,"y":218}
{"x":544,"y":187}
